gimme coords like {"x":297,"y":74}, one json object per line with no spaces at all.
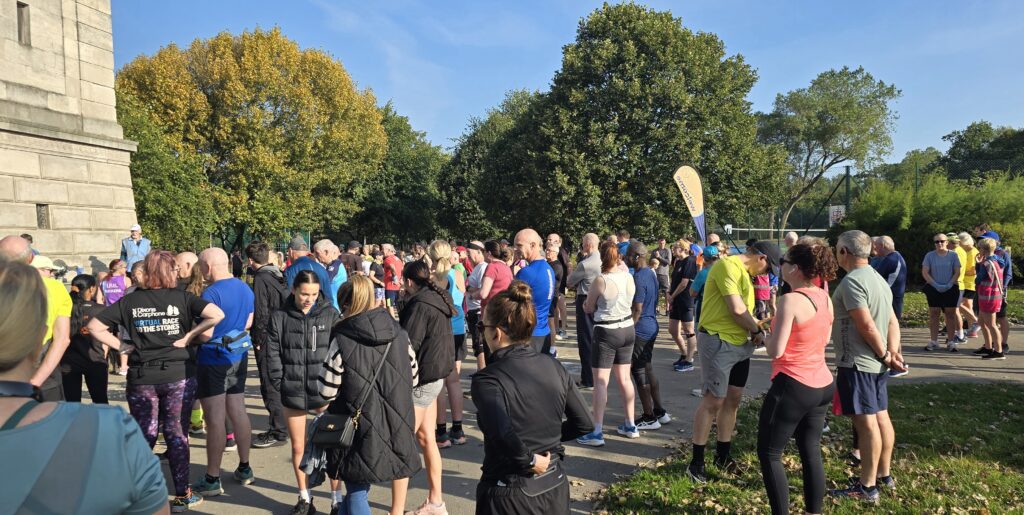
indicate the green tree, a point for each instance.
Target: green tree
{"x":173,"y":200}
{"x":915,"y":163}
{"x":637,"y":96}
{"x":402,"y":202}
{"x":842,"y":117}
{"x":463,"y":216}
{"x":285,"y":138}
{"x":982,"y":148}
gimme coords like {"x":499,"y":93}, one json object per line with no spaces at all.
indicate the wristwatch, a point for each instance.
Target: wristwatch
{"x":883,"y":356}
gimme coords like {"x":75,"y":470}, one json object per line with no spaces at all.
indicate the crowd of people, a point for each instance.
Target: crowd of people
{"x":376,"y":338}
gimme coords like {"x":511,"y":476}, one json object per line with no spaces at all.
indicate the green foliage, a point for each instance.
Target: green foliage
{"x":402,"y":201}
{"x":637,"y":96}
{"x":954,"y":455}
{"x":843,"y":116}
{"x":173,"y":200}
{"x":982,"y":148}
{"x":915,"y":308}
{"x":285,"y":138}
{"x":939,"y":205}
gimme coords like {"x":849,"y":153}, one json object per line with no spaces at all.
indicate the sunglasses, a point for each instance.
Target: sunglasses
{"x":784,"y":261}
{"x":938,"y":242}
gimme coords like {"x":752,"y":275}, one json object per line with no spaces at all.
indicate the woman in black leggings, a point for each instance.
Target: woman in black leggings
{"x":801,"y":382}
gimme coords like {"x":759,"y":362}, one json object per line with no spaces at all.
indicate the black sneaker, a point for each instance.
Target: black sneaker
{"x":303,"y":507}
{"x":264,"y":440}
{"x":994,"y":355}
{"x":696,"y":474}
{"x":728,"y":466}
{"x":981,"y":351}
{"x":457,"y":436}
{"x":854,"y":459}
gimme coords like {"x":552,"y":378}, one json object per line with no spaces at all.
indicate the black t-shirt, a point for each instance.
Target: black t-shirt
{"x":83,"y":350}
{"x":683,"y":269}
{"x":378,"y":273}
{"x":353,"y":263}
{"x":155,"y":320}
{"x":556,"y":265}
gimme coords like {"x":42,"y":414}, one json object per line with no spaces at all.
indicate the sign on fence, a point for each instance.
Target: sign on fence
{"x":836,"y":214}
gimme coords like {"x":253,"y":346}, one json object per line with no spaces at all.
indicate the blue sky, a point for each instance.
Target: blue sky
{"x":443,"y":62}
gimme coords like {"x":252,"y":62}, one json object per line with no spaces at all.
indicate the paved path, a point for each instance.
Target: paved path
{"x":590,"y":469}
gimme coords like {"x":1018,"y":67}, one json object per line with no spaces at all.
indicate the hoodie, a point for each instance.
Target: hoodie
{"x":270,"y":290}
{"x":427,"y":316}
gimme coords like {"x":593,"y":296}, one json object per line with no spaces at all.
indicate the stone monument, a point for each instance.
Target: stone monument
{"x":64,"y":174}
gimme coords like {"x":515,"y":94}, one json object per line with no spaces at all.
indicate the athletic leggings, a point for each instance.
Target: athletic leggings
{"x":169,"y":405}
{"x":95,"y":375}
{"x":791,"y":408}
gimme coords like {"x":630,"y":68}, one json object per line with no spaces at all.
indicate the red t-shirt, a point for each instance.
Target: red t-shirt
{"x":502,"y":276}
{"x":391,"y":283}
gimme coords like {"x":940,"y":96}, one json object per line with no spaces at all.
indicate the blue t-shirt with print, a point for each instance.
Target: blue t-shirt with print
{"x":647,"y":289}
{"x":541,"y":278}
{"x":237,"y":301}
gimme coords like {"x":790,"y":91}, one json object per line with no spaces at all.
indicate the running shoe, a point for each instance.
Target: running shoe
{"x":207,"y":489}
{"x":696,"y":474}
{"x":264,"y":440}
{"x":678,"y":361}
{"x":697,"y":392}
{"x":931,"y":346}
{"x":900,"y":373}
{"x":441,"y":437}
{"x":457,"y":436}
{"x":648,"y":424}
{"x":682,"y":366}
{"x":230,"y":445}
{"x":303,"y":507}
{"x":951,"y":346}
{"x":197,"y":430}
{"x":854,"y":459}
{"x":429,"y":508}
{"x":122,"y":371}
{"x":994,"y":355}
{"x":663,"y":416}
{"x":628,"y":431}
{"x":972,"y":332}
{"x":825,"y":429}
{"x":562,"y":334}
{"x":887,"y":483}
{"x":582,"y":386}
{"x":728,"y":465}
{"x":594,"y":439}
{"x":981,"y":351}
{"x":245,"y":476}
{"x":857,"y":491}
{"x":183,"y":503}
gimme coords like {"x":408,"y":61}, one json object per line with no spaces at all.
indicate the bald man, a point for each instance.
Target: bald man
{"x":15,"y":248}
{"x":587,"y":269}
{"x":185,"y":261}
{"x":221,"y":373}
{"x":541,"y":278}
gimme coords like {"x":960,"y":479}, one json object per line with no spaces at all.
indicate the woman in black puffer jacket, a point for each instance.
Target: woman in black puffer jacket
{"x":298,"y":338}
{"x":427,"y":317}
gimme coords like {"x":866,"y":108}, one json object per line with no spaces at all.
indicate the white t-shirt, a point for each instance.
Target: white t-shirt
{"x":474,"y":281}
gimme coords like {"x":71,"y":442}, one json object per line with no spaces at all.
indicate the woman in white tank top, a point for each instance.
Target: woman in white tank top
{"x":611,"y":300}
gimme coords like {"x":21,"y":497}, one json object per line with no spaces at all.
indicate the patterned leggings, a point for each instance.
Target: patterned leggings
{"x":169,"y":405}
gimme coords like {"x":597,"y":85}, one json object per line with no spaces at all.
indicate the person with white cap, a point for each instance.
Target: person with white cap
{"x":134,"y":248}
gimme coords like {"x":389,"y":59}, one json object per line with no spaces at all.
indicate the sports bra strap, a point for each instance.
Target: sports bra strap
{"x":815,"y":306}
{"x":18,"y":415}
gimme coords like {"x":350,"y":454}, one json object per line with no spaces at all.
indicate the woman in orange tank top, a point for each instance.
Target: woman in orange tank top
{"x":802,"y":385}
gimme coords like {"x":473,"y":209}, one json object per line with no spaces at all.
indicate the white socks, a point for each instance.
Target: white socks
{"x":305,"y":495}
{"x":336,"y":496}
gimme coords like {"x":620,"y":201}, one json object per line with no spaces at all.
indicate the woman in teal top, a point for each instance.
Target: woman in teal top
{"x":46,"y":466}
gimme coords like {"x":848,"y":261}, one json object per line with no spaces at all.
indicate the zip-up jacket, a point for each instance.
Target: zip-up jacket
{"x":427,"y":318}
{"x":297,"y":345}
{"x":269,"y":290}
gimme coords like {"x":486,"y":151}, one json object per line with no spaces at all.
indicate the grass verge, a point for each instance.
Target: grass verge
{"x":959,"y":450}
{"x":915,"y":308}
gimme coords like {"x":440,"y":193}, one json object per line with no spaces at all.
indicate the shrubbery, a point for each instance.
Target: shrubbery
{"x":911,"y":216}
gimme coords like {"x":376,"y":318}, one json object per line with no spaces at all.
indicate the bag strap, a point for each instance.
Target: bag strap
{"x":68,"y":467}
{"x":815,"y":306}
{"x":369,"y":386}
{"x":19,"y":414}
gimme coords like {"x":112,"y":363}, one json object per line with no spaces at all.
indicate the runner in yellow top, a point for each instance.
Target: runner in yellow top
{"x":726,"y":337}
{"x":58,"y":332}
{"x":968,"y":255}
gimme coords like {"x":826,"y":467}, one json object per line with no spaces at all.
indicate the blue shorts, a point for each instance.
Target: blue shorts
{"x":392,"y":297}
{"x":862,"y":393}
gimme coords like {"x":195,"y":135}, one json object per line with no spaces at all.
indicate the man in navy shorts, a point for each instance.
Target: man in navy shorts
{"x":866,"y":333}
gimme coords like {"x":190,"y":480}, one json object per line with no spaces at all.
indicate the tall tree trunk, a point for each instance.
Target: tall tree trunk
{"x":785,"y":218}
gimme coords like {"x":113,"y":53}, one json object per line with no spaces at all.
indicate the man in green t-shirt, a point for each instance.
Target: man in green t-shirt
{"x":866,"y":334}
{"x":726,"y":337}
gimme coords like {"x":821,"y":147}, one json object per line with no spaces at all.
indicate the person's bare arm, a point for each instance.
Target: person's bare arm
{"x":460,"y":282}
{"x":776,"y":342}
{"x":596,"y":290}
{"x":58,"y":344}
{"x":485,"y":287}
{"x":679,"y":289}
{"x":926,"y":273}
{"x":894,"y":343}
{"x":638,"y":308}
{"x":211,"y":316}
{"x":865,"y":325}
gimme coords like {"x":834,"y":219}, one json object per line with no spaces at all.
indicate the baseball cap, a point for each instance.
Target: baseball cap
{"x":990,"y":234}
{"x":298,"y":243}
{"x":43,"y":263}
{"x":711,"y":251}
{"x":136,"y":227}
{"x":770,"y":251}
{"x":503,"y":241}
{"x":354,"y":244}
{"x":952,"y":236}
{"x":460,"y":248}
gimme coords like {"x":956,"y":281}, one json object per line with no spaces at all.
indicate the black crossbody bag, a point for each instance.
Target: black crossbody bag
{"x":335,"y":431}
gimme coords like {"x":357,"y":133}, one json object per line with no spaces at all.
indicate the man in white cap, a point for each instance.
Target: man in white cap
{"x":134,"y":248}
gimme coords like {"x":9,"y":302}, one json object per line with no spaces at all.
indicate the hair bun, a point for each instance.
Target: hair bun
{"x":520,"y":292}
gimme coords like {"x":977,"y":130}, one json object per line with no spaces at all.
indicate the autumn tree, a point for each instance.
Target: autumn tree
{"x":284,"y":137}
{"x":844,"y":116}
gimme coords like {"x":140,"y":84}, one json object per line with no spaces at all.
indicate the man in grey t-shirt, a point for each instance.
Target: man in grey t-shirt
{"x":941,"y":270}
{"x":588,"y":269}
{"x":867,"y":337}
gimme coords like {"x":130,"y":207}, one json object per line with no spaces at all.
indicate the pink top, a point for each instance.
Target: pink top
{"x":762,"y":287}
{"x":113,"y":288}
{"x":804,"y":357}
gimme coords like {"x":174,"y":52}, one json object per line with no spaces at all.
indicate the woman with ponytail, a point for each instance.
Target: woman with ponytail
{"x":84,"y":358}
{"x":426,"y":317}
{"x":445,"y":275}
{"x":521,"y":399}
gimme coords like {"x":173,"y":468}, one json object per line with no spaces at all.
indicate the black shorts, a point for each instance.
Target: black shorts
{"x":1002,"y":311}
{"x":460,"y":347}
{"x":682,"y":307}
{"x":553,"y":312}
{"x":643,"y":352}
{"x":612,"y":346}
{"x":862,"y":393}
{"x":663,"y":282}
{"x":936,"y":299}
{"x":970,"y":294}
{"x":739,"y":373}
{"x":222,"y":379}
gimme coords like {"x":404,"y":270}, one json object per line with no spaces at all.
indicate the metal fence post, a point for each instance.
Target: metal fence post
{"x":847,"y":189}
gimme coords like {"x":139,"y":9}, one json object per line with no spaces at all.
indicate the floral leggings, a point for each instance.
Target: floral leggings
{"x":170,"y":405}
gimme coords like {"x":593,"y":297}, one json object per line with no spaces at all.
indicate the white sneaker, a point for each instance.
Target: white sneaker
{"x":648,"y":425}
{"x":665,"y":418}
{"x":931,"y":346}
{"x":697,"y":392}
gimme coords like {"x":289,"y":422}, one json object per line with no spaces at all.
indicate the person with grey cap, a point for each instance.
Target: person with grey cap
{"x":134,"y":248}
{"x":301,"y":259}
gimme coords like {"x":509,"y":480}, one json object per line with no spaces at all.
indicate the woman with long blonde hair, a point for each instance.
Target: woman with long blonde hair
{"x":447,"y":277}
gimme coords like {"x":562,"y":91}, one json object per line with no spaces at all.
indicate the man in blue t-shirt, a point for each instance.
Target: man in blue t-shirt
{"x":329,"y":255}
{"x":298,"y":254}
{"x":541,"y":278}
{"x":893,"y":268}
{"x":645,"y":311}
{"x":221,"y":373}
